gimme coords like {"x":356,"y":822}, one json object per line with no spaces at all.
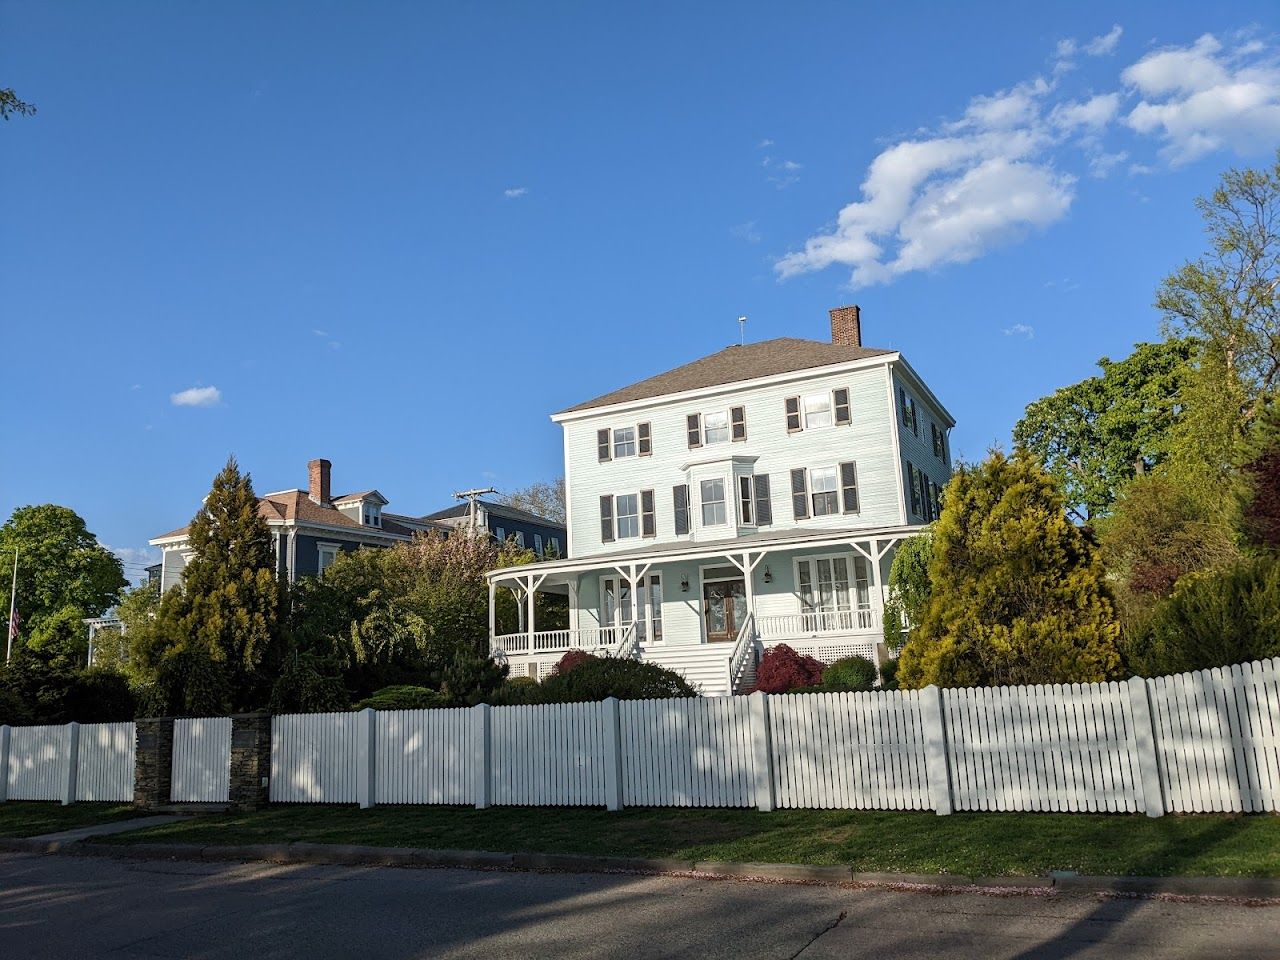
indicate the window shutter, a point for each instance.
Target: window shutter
{"x":644,"y":439}
{"x":764,"y":506}
{"x":680,"y":497}
{"x":849,"y":486}
{"x":745,"y":511}
{"x":913,"y":481}
{"x":606,"y":519}
{"x":738,"y":419}
{"x":902,"y":404}
{"x":694,"y":429}
{"x":648,"y":522}
{"x":793,"y":414}
{"x":840,"y":401}
{"x":603,"y":451}
{"x":799,"y":494}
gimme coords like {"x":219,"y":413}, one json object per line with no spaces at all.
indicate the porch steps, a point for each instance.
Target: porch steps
{"x":704,"y":665}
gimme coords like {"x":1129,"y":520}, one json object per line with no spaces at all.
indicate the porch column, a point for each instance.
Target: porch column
{"x":518,"y":593}
{"x":573,"y":605}
{"x":493,"y":613}
{"x":529,"y":598}
{"x":749,"y":578}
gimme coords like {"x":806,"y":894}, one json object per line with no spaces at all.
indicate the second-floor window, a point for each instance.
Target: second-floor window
{"x":713,"y":506}
{"x":939,"y":442}
{"x":618,"y":443}
{"x":627,"y":516}
{"x":824,"y":491}
{"x":910,"y":415}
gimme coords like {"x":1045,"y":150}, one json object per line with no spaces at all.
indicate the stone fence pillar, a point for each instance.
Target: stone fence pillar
{"x":153,"y":777}
{"x":250,"y":760}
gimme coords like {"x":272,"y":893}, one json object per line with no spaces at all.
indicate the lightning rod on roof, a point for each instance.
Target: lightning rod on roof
{"x":742,"y":331}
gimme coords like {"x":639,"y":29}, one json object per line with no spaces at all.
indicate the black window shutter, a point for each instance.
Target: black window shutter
{"x":603,"y":451}
{"x":793,"y":414}
{"x":843,"y":413}
{"x":648,"y":522}
{"x":644,"y":439}
{"x":849,"y":486}
{"x":764,"y":506}
{"x":799,"y":494}
{"x":606,"y":519}
{"x":680,"y":496}
{"x":738,"y":418}
{"x":902,"y":403}
{"x":694,"y":427}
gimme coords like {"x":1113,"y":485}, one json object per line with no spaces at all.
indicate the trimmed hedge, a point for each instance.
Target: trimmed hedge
{"x":404,"y":697}
{"x":853,"y":674}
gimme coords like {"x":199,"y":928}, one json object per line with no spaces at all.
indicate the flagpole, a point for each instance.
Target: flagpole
{"x":13,"y":599}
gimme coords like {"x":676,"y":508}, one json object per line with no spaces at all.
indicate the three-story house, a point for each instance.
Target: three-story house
{"x":750,"y":498}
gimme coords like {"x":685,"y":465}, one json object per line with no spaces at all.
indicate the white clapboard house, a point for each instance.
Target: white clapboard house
{"x":750,"y":498}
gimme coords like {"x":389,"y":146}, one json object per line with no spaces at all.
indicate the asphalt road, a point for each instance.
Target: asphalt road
{"x":73,"y":907}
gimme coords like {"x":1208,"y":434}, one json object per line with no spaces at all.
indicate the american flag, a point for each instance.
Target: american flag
{"x":15,"y":622}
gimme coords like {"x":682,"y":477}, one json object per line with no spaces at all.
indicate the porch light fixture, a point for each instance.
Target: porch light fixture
{"x":768,"y":575}
{"x":684,"y":584}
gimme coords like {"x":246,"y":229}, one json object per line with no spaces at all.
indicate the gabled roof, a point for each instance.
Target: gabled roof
{"x":297,"y":506}
{"x":734,"y":364}
{"x":362,"y":495}
{"x":498,"y":510}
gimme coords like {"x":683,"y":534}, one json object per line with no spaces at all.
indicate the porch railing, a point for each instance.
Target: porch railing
{"x":818,"y":622}
{"x":591,"y":639}
{"x":742,"y":649}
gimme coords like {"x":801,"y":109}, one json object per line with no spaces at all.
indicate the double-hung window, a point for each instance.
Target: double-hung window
{"x":824,"y":491}
{"x":537,"y":544}
{"x":817,"y":410}
{"x":713,"y":506}
{"x":624,"y":442}
{"x":328,"y":553}
{"x":910,"y":416}
{"x":719,"y":426}
{"x":620,"y":442}
{"x":715,"y":428}
{"x":628,"y":515}
{"x":939,"y":442}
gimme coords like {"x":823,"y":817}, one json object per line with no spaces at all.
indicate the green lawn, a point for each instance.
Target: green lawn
{"x":21,"y":818}
{"x":970,"y":844}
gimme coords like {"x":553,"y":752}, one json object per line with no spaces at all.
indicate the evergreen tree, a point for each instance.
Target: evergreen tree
{"x":218,"y":631}
{"x":1018,"y":595}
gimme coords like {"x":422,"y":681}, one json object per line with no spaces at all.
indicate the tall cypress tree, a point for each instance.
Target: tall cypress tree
{"x":1018,"y":593}
{"x":219,"y":629}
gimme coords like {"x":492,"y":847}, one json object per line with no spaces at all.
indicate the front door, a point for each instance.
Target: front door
{"x":725,"y":609}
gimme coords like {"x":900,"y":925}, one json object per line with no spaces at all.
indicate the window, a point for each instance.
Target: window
{"x":823,"y":491}
{"x":817,"y":410}
{"x":746,"y":506}
{"x":328,"y":553}
{"x":501,"y":534}
{"x":715,"y":428}
{"x":537,"y":544}
{"x":520,"y":539}
{"x":628,"y":518}
{"x":910,"y":417}
{"x":828,"y":594}
{"x":372,"y":516}
{"x":624,"y":442}
{"x":553,"y":545}
{"x":915,"y":490}
{"x":713,"y":511}
{"x":939,"y":442}
{"x":615,"y":605}
{"x":680,"y":499}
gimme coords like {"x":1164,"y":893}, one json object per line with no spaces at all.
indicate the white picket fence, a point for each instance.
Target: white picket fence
{"x":201,"y":763}
{"x":67,"y":762}
{"x":1206,"y":741}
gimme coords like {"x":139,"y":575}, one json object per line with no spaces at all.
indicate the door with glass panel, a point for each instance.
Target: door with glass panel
{"x":615,"y":594}
{"x":835,"y":593}
{"x":725,"y":606}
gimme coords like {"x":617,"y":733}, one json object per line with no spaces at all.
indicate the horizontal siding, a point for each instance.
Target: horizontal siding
{"x":868,"y":441}
{"x":918,"y":450}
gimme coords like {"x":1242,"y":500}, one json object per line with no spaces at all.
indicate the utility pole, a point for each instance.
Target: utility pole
{"x":472,"y":496}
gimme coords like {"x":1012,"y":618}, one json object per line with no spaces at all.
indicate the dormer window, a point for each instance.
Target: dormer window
{"x":372,"y":516}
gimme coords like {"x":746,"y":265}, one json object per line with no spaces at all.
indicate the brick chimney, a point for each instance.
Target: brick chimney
{"x":319,"y":471}
{"x":846,"y":326}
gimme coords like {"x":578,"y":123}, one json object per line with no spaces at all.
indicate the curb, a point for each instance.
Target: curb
{"x":1238,"y":888}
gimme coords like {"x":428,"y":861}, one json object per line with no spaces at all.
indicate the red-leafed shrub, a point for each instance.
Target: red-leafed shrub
{"x":781,"y":670}
{"x":573,"y":658}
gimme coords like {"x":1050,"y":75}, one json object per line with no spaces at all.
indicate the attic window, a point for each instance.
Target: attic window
{"x":372,"y":516}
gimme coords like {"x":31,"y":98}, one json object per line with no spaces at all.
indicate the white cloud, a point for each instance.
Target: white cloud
{"x":764,"y":143}
{"x":1093,"y":114}
{"x":197,"y":397}
{"x":512,"y":192}
{"x":1102,"y":164}
{"x":1105,"y":44}
{"x":1202,"y":98}
{"x":1020,"y":330}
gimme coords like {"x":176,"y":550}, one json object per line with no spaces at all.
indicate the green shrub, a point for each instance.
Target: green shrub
{"x":404,"y":697}
{"x":597,"y":678}
{"x":889,"y":674}
{"x":100,"y":696}
{"x":849,"y":674}
{"x":305,"y":686}
{"x":517,"y":692}
{"x":1214,"y":619}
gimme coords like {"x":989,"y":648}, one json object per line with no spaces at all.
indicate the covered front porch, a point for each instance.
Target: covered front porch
{"x":706,"y":610}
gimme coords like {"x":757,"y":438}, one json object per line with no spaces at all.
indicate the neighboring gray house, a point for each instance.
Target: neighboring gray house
{"x":310,"y":528}
{"x":544,"y":537}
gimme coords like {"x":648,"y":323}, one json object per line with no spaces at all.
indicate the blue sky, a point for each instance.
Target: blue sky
{"x":399,"y":235}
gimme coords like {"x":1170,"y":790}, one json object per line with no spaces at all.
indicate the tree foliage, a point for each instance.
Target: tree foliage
{"x":1018,"y":593}
{"x":11,"y":105}
{"x":542,"y":499}
{"x":1096,"y":435}
{"x":909,"y":587}
{"x":64,"y":575}
{"x":217,"y":634}
{"x":781,"y":669}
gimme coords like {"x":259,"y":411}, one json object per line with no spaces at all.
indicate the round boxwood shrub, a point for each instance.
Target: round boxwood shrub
{"x":849,"y":674}
{"x":404,"y":697}
{"x":517,"y":692}
{"x":596,"y":678}
{"x":782,"y":670}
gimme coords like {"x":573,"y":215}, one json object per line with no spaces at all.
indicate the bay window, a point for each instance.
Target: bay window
{"x":713,"y":507}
